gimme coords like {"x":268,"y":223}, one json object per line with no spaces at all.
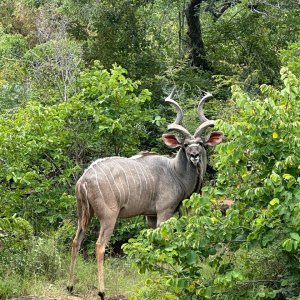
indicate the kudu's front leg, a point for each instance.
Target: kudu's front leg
{"x":164,"y":215}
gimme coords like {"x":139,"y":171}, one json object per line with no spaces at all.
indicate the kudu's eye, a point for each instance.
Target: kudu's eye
{"x":185,"y":145}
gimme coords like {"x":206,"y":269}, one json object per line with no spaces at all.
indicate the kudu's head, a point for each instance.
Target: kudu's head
{"x":192,"y":145}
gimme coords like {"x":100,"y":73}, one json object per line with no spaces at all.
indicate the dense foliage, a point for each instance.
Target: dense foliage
{"x":43,"y":147}
{"x":254,"y":251}
{"x":83,"y":79}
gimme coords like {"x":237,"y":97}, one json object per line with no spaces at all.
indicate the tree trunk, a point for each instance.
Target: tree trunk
{"x":198,"y":54}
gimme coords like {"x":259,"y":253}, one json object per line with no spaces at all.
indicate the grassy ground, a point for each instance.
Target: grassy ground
{"x":121,"y":277}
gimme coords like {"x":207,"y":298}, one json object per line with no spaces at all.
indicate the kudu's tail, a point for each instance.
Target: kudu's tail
{"x":84,"y":209}
{"x":85,"y":212}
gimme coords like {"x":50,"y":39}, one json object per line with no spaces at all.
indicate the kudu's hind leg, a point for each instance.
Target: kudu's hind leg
{"x":79,"y":236}
{"x":106,"y":229}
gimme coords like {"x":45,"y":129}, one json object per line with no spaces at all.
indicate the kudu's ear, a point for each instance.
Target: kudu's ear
{"x":214,"y":138}
{"x":171,"y":140}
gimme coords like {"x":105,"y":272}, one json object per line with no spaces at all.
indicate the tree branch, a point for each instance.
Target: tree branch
{"x":258,"y":281}
{"x":217,"y":12}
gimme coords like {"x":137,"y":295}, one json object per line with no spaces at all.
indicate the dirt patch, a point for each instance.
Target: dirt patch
{"x":116,"y":297}
{"x":44,"y":298}
{"x":40,"y":298}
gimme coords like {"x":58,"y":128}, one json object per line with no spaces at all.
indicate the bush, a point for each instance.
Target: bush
{"x":125,"y":230}
{"x":15,"y":237}
{"x":44,"y":147}
{"x":199,"y":256}
{"x":44,"y":259}
{"x":10,"y":286}
{"x":23,"y":253}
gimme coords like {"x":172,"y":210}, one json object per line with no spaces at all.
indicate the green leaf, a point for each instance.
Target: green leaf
{"x":288,"y":245}
{"x":295,"y":236}
{"x":191,"y":257}
{"x":275,"y":177}
{"x":261,"y":294}
{"x":208,"y":292}
{"x":274,"y":201}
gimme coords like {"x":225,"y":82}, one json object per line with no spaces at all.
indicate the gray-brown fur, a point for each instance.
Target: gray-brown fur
{"x":150,"y":185}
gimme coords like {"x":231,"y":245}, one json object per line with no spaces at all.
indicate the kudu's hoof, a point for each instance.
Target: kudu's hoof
{"x":101,"y":295}
{"x":70,"y":289}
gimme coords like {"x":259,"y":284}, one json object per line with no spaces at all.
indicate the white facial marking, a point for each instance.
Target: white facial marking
{"x":195,"y":161}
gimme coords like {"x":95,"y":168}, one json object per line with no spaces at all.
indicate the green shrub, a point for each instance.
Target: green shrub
{"x":200,"y":255}
{"x":65,"y":234}
{"x":125,"y":230}
{"x":44,"y":147}
{"x":44,"y":259}
{"x":15,"y":237}
{"x":10,"y":285}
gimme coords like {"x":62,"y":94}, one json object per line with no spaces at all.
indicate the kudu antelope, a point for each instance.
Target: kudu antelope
{"x":150,"y":185}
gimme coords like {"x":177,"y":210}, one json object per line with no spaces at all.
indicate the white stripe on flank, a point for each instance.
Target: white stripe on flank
{"x":143,"y":171}
{"x":96,"y":165}
{"x":113,"y":179}
{"x":98,"y":182}
{"x":132,"y":176}
{"x":125,"y":175}
{"x":101,"y":160}
{"x":140,"y":180}
{"x":120,"y":181}
{"x":134,"y":182}
{"x":151,"y":179}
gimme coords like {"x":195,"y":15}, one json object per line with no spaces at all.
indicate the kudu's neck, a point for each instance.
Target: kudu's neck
{"x":186,"y":172}
{"x":181,"y":163}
